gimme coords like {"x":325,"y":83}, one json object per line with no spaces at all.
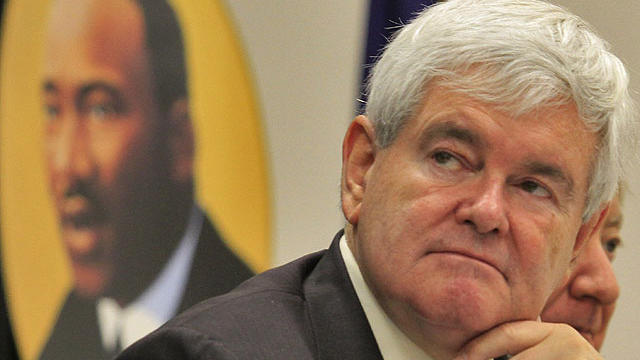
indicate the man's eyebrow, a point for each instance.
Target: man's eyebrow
{"x":551,"y":171}
{"x":97,"y":86}
{"x":449,"y":130}
{"x":50,"y":86}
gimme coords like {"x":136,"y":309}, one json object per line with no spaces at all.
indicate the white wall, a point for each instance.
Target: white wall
{"x":305,"y":56}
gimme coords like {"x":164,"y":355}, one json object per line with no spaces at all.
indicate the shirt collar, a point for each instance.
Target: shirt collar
{"x":159,"y":302}
{"x":392,"y":342}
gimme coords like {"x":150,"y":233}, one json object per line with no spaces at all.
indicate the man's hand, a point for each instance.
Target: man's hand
{"x":525,"y":340}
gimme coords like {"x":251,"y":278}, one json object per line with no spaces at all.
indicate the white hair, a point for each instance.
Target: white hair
{"x":518,"y":55}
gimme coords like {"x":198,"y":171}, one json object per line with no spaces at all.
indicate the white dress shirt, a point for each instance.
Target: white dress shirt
{"x":121,"y":327}
{"x":392,"y":342}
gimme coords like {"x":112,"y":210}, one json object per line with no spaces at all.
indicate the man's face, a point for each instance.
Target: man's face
{"x":588,"y":299}
{"x":102,"y":144}
{"x":469,"y":218}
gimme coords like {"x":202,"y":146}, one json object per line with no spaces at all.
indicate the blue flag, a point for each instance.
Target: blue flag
{"x":385,"y":17}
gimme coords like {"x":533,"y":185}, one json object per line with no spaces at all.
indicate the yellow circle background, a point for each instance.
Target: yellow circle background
{"x":231,"y":170}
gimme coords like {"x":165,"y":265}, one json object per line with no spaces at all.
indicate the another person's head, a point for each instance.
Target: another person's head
{"x":494,"y":134}
{"x":588,"y":299}
{"x":118,"y":139}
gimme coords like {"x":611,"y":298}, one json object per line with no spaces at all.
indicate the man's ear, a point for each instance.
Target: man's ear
{"x":590,"y":228}
{"x":358,"y":155}
{"x":181,"y":140}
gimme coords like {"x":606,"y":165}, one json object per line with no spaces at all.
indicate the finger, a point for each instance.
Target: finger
{"x":571,"y":348}
{"x":529,"y":340}
{"x":506,"y":339}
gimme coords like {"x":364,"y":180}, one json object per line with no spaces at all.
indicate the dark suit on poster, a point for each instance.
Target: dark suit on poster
{"x":214,"y":271}
{"x":7,"y":344}
{"x":308,"y":308}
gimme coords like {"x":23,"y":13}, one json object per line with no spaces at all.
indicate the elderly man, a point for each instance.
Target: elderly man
{"x":588,"y":299}
{"x":491,"y":145}
{"x":119,"y":147}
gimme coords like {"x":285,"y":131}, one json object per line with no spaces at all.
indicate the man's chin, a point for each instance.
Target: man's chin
{"x":462,"y":306}
{"x":90,"y":280}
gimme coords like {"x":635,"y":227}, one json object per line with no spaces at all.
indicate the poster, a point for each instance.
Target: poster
{"x":86,"y":162}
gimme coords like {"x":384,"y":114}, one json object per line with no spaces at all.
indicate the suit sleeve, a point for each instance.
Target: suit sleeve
{"x":177,"y":343}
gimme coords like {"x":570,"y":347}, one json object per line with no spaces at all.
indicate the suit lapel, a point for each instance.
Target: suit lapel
{"x":338,"y":322}
{"x":76,"y":331}
{"x":215,"y":269}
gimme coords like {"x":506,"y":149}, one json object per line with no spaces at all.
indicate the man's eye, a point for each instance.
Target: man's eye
{"x":101,"y":111}
{"x":51,"y":111}
{"x":611,"y":245}
{"x":534,"y":188}
{"x":446,"y":160}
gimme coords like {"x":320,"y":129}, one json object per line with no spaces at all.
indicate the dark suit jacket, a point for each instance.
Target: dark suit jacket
{"x":306,"y":309}
{"x":215,"y":270}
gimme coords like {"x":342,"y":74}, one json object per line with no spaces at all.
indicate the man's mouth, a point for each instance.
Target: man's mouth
{"x":81,"y":243}
{"x":473,"y":257}
{"x":589,"y":323}
{"x":79,"y":213}
{"x":81,"y":224}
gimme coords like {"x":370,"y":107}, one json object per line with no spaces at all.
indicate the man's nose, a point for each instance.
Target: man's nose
{"x":484,"y":208}
{"x":71,"y":152}
{"x":594,"y":275}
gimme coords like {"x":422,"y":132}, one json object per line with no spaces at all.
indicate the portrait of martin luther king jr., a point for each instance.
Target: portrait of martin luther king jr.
{"x":119,"y":150}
